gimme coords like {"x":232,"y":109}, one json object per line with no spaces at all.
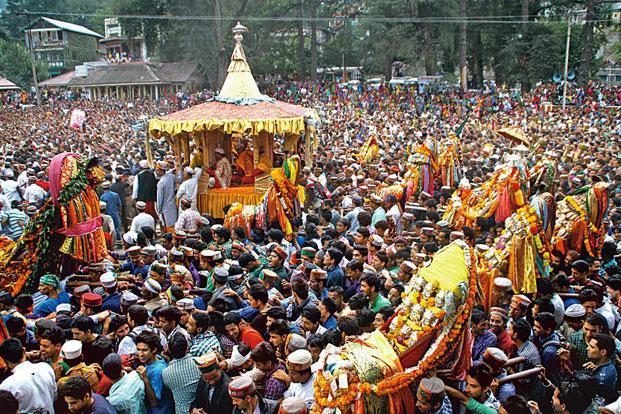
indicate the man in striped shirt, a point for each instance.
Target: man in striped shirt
{"x":181,"y":377}
{"x":203,"y":340}
{"x":13,"y":221}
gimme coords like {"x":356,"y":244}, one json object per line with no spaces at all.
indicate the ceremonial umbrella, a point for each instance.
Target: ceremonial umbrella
{"x":514,"y":134}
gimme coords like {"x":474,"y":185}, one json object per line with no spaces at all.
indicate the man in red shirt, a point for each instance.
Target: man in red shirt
{"x":498,"y":318}
{"x":240,"y":332}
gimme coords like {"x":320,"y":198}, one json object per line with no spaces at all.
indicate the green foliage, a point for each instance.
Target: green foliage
{"x":15,"y":64}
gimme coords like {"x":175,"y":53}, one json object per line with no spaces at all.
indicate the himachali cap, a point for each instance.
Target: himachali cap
{"x":102,"y":206}
{"x":134,"y":250}
{"x":81,"y":289}
{"x":521,"y":300}
{"x":63,"y":307}
{"x":481,"y":247}
{"x":499,"y":311}
{"x":376,"y":241}
{"x":237,"y":245}
{"x":130,"y":237}
{"x":431,"y":386}
{"x":408,"y":216}
{"x":108,"y":280}
{"x":299,"y":360}
{"x":425,"y":195}
{"x":308,"y":252}
{"x":176,"y":277}
{"x":220,"y":275}
{"x":427,"y":230}
{"x":407,"y":266}
{"x":153,"y":286}
{"x":176,"y":254}
{"x":141,"y":205}
{"x":105,"y":185}
{"x":71,"y":349}
{"x":319,"y":274}
{"x":91,"y":300}
{"x":375,"y":198}
{"x":144,"y":164}
{"x":295,"y":342}
{"x":241,"y":387}
{"x":149,"y":250}
{"x":128,"y":298}
{"x":443,"y":224}
{"x":50,"y":280}
{"x":161,"y":165}
{"x":495,"y":357}
{"x":575,"y":311}
{"x":207,"y":362}
{"x":280,"y":252}
{"x":187,"y":251}
{"x":293,"y":405}
{"x":268,"y":275}
{"x":180,"y":234}
{"x":185,"y":304}
{"x":159,"y":268}
{"x":456,"y":235}
{"x":502,"y":283}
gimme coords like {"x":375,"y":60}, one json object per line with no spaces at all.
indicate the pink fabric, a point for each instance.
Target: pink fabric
{"x":55,"y":172}
{"x":81,"y":229}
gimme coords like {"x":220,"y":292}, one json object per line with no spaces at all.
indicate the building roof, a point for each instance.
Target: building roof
{"x":6,"y":84}
{"x":138,"y":73}
{"x":58,"y":81}
{"x":70,"y":27}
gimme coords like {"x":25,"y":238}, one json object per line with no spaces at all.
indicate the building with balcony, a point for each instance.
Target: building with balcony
{"x":117,"y":46}
{"x":61,"y":45}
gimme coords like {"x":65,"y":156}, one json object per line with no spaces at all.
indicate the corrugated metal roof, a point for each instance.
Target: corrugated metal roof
{"x":6,"y":84}
{"x":70,"y":27}
{"x":138,"y":73}
{"x":57,"y":81}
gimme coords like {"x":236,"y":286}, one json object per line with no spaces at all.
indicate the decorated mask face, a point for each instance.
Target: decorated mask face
{"x":440,"y":298}
{"x":429,"y":319}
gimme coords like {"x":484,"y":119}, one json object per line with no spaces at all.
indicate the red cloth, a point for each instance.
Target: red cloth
{"x":43,"y":184}
{"x":103,"y":388}
{"x":506,"y":344}
{"x":251,"y":336}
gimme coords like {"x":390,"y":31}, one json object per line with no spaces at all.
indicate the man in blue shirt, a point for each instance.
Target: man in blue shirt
{"x":113,"y":206}
{"x":601,"y":351}
{"x":158,"y":400}
{"x":336,"y":277}
{"x":548,"y":343}
{"x":49,"y":286}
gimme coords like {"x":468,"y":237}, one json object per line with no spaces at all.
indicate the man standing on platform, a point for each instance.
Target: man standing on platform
{"x":165,"y":197}
{"x":145,"y":188}
{"x":189,"y":188}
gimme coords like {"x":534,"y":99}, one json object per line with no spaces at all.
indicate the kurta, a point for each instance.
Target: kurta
{"x":189,"y":189}
{"x":165,"y":204}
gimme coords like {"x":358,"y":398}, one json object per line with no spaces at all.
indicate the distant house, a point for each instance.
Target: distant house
{"x":130,"y":80}
{"x":117,"y":46}
{"x":57,"y":82}
{"x":7,"y":85}
{"x":60,"y":44}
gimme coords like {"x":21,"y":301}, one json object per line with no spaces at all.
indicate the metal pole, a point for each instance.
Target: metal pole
{"x":33,"y":66}
{"x":566,"y":61}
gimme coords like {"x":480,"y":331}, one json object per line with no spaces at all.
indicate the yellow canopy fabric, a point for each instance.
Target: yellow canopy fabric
{"x":448,"y":268}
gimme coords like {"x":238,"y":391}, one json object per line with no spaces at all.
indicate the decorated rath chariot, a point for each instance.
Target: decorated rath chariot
{"x":240,"y":112}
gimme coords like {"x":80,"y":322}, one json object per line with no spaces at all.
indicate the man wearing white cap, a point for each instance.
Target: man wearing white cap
{"x":9,"y":187}
{"x":188,"y":189}
{"x":142,"y":219}
{"x":33,"y":193}
{"x":145,"y":188}
{"x":301,"y":378}
{"x":165,"y":199}
{"x":111,"y":297}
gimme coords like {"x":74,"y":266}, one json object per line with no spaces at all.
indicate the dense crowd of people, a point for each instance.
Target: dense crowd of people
{"x":188,"y":316}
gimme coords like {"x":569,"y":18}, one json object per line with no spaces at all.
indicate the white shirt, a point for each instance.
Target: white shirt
{"x":142,"y":220}
{"x":22,"y":179}
{"x":9,"y":188}
{"x":189,"y":189}
{"x":304,"y":391}
{"x":34,"y":386}
{"x":34,"y":194}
